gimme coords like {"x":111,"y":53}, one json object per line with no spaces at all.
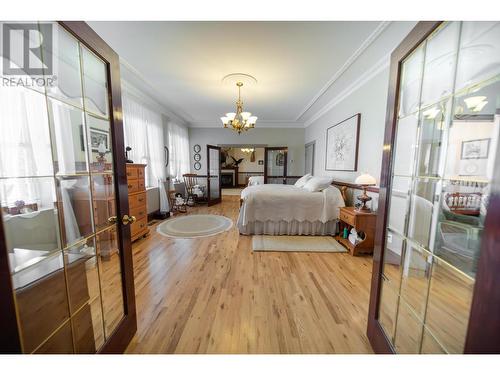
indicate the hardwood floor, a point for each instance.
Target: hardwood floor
{"x":214,"y":295}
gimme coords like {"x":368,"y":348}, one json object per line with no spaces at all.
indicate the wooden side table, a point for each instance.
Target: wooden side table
{"x":361,"y":221}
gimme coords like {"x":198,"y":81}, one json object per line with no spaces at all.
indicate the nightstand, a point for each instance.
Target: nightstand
{"x":362,"y":222}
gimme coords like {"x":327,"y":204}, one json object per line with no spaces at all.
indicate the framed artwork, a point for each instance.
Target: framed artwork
{"x":197,"y":166}
{"x":475,"y":149}
{"x":197,"y":157}
{"x":98,"y":136}
{"x":197,"y":148}
{"x":342,"y":143}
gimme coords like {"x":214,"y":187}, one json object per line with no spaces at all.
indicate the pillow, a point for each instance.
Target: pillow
{"x":318,"y":183}
{"x":302,"y":181}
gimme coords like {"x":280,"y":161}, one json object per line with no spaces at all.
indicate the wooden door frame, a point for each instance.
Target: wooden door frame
{"x":117,"y":343}
{"x":211,"y":202}
{"x":285,"y":170}
{"x":484,"y":321}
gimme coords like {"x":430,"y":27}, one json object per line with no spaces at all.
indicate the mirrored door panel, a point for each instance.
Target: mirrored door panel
{"x":58,"y":205}
{"x":275,"y":165}
{"x":444,"y":154}
{"x":214,"y":174}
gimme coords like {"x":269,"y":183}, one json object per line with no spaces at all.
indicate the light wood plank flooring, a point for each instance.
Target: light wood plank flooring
{"x":214,"y":295}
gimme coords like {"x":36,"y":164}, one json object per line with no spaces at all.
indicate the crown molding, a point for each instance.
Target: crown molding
{"x":378,"y":67}
{"x":261,"y":124}
{"x":366,"y":43}
{"x":146,"y":89}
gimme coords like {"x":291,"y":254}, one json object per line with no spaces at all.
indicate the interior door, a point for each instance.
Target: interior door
{"x":275,"y":165}
{"x":68,"y":251}
{"x":309,"y":158}
{"x":214,"y":186}
{"x":435,"y":270}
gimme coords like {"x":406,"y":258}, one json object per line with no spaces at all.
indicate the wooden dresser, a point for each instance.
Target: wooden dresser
{"x":137,"y":200}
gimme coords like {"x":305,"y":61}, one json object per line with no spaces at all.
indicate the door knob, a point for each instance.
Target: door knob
{"x":128,"y":219}
{"x":112,"y":219}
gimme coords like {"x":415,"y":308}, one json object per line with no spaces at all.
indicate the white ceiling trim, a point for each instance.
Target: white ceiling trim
{"x":368,"y":41}
{"x":382,"y":64}
{"x":184,"y":117}
{"x":260,"y":124}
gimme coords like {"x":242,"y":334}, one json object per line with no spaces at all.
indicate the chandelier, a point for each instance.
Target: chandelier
{"x":239,"y":121}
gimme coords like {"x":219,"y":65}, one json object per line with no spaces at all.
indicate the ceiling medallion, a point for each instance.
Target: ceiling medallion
{"x":239,"y":121}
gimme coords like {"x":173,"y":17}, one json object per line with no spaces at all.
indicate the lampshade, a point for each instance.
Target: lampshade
{"x":246,"y":115}
{"x":231,"y":116}
{"x":252,"y":119}
{"x":224,"y":120}
{"x":365,"y":179}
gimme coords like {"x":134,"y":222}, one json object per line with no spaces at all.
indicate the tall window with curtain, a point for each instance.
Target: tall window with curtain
{"x":144,"y":134}
{"x":178,"y":145}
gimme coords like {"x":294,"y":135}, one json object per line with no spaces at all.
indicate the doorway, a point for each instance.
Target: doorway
{"x":310,"y":150}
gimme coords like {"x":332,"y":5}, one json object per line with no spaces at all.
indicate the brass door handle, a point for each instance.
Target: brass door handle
{"x":112,"y":219}
{"x":128,"y":219}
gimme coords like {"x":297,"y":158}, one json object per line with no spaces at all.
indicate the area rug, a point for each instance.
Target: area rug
{"x":297,"y":243}
{"x":193,"y":226}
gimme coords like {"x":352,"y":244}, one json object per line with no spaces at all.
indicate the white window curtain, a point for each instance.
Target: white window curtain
{"x":144,"y":134}
{"x":24,"y":146}
{"x":178,"y":145}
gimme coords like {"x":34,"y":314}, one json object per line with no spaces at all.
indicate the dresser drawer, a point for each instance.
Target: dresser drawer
{"x":132,"y":173}
{"x":139,"y":211}
{"x":139,"y":226}
{"x":137,"y":200}
{"x":346,"y":217}
{"x":141,"y":185}
{"x":133,"y":186}
{"x":140,"y":173}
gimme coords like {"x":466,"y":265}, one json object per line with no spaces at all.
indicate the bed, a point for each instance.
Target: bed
{"x":289,"y":210}
{"x":255,"y":180}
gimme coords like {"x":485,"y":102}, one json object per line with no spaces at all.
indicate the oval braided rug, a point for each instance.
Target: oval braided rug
{"x":192,"y":226}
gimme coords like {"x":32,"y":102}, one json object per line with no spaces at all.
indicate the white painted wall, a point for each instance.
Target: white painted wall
{"x":292,"y":138}
{"x":362,"y":88}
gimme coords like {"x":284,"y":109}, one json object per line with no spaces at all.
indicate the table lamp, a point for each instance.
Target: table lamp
{"x":365,"y":180}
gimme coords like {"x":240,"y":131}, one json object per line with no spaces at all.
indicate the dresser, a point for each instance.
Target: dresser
{"x":137,"y":200}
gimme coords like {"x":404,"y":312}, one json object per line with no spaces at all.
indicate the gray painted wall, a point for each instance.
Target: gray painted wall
{"x":292,"y":138}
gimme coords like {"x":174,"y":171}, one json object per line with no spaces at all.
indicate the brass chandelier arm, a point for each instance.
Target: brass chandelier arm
{"x":240,"y":120}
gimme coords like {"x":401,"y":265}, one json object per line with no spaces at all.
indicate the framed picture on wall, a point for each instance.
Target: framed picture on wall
{"x":342,"y":143}
{"x":475,"y":149}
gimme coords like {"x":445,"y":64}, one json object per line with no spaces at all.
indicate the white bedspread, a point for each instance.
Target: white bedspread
{"x":287,"y":203}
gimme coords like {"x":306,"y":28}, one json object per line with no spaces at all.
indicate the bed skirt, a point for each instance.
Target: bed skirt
{"x":292,"y":228}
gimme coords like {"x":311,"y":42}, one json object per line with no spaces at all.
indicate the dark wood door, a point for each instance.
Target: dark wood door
{"x":435,"y":267}
{"x":214,"y":186}
{"x":275,"y":165}
{"x":78,"y":250}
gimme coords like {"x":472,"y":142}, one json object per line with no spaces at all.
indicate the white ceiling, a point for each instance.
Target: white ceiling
{"x":184,"y":62}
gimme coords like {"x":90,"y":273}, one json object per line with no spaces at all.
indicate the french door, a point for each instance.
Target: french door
{"x":66,"y":276}
{"x":275,"y":165}
{"x":214,"y":187}
{"x":436,"y":262}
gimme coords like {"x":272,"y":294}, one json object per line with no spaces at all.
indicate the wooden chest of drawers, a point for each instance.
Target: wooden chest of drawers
{"x":137,"y":200}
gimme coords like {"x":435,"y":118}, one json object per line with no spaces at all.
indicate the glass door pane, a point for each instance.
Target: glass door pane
{"x":58,"y":205}
{"x":275,"y":161}
{"x":443,"y":165}
{"x":214,"y":174}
